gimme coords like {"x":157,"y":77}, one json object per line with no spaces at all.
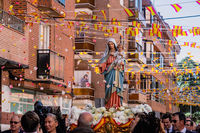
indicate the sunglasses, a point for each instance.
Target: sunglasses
{"x":14,"y":122}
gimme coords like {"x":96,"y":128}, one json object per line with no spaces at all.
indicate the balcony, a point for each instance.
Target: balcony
{"x":52,"y":7}
{"x":88,"y":4}
{"x":137,"y":97}
{"x":138,"y":57}
{"x":50,"y":65}
{"x":11,"y":21}
{"x":84,"y":44}
{"x":84,"y":93}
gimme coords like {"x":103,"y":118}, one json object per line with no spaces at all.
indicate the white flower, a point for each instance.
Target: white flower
{"x":127,"y":111}
{"x":112,"y":110}
{"x":123,"y":119}
{"x":133,"y":110}
{"x":106,"y":114}
{"x":121,"y":108}
{"x":102,"y":109}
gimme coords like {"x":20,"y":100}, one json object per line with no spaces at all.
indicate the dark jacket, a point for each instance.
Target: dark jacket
{"x":9,"y":131}
{"x":187,"y":131}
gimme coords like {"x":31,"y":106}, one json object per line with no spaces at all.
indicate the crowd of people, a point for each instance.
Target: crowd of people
{"x":30,"y":122}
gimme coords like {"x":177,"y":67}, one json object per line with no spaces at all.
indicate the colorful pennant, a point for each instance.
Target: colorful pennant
{"x":176,"y":7}
{"x":129,"y":12}
{"x":151,"y":10}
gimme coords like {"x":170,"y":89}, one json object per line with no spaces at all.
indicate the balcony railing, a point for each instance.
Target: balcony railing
{"x":84,"y":44}
{"x":137,"y":97}
{"x":133,"y":46}
{"x":83,"y":93}
{"x":138,"y":57}
{"x":50,"y":65}
{"x":11,"y":21}
{"x":85,"y":4}
{"x":51,"y":7}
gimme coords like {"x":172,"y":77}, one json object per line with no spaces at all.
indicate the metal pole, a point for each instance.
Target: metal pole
{"x":190,"y":105}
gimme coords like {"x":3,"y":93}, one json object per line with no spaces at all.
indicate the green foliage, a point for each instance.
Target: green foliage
{"x":187,"y":79}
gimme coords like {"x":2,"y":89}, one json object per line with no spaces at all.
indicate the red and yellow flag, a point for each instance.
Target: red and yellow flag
{"x":151,"y":10}
{"x":95,"y":26}
{"x":186,"y":43}
{"x":83,"y":12}
{"x":115,"y":29}
{"x":193,"y":45}
{"x":184,"y":33}
{"x":94,"y":17}
{"x":129,"y":12}
{"x":176,"y":7}
{"x":136,"y":24}
{"x":198,"y":2}
{"x":104,"y":14}
{"x":170,"y":42}
{"x":114,"y":21}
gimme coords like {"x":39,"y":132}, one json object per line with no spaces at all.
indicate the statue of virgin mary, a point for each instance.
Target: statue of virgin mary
{"x":113,"y":77}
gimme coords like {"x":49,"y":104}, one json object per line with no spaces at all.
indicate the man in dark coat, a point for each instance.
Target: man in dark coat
{"x":178,"y":122}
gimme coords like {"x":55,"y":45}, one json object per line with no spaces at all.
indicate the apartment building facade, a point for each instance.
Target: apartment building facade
{"x":37,"y":60}
{"x":148,"y":57}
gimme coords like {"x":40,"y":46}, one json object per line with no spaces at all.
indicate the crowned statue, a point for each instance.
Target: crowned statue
{"x":112,"y":66}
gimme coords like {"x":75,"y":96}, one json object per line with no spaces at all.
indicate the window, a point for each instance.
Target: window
{"x":131,"y":3}
{"x":21,"y":102}
{"x":161,"y":61}
{"x":44,"y":36}
{"x":143,"y":82}
{"x":122,"y":38}
{"x":145,"y":48}
{"x":66,"y":105}
{"x":57,"y":65}
{"x":61,"y":2}
{"x":50,"y":65}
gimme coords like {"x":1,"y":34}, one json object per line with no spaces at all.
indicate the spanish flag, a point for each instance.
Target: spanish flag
{"x":136,"y":24}
{"x":159,"y":34}
{"x":198,"y":2}
{"x":129,"y":12}
{"x":115,"y":29}
{"x":104,"y":14}
{"x":186,"y":43}
{"x":83,"y":12}
{"x":193,"y":45}
{"x":184,"y":33}
{"x":94,"y":17}
{"x":151,"y":32}
{"x":176,"y":7}
{"x":95,"y":26}
{"x":151,"y":10}
{"x":170,"y":42}
{"x":114,"y":20}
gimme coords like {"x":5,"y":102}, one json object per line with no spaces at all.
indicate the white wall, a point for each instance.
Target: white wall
{"x":6,"y":98}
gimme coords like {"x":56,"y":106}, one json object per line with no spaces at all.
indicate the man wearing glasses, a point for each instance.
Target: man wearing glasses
{"x":178,"y":122}
{"x":15,"y":125}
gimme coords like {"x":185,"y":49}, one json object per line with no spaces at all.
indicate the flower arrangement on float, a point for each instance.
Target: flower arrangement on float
{"x":120,"y":117}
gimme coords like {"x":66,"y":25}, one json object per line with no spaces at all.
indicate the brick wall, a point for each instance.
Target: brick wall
{"x":13,"y":46}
